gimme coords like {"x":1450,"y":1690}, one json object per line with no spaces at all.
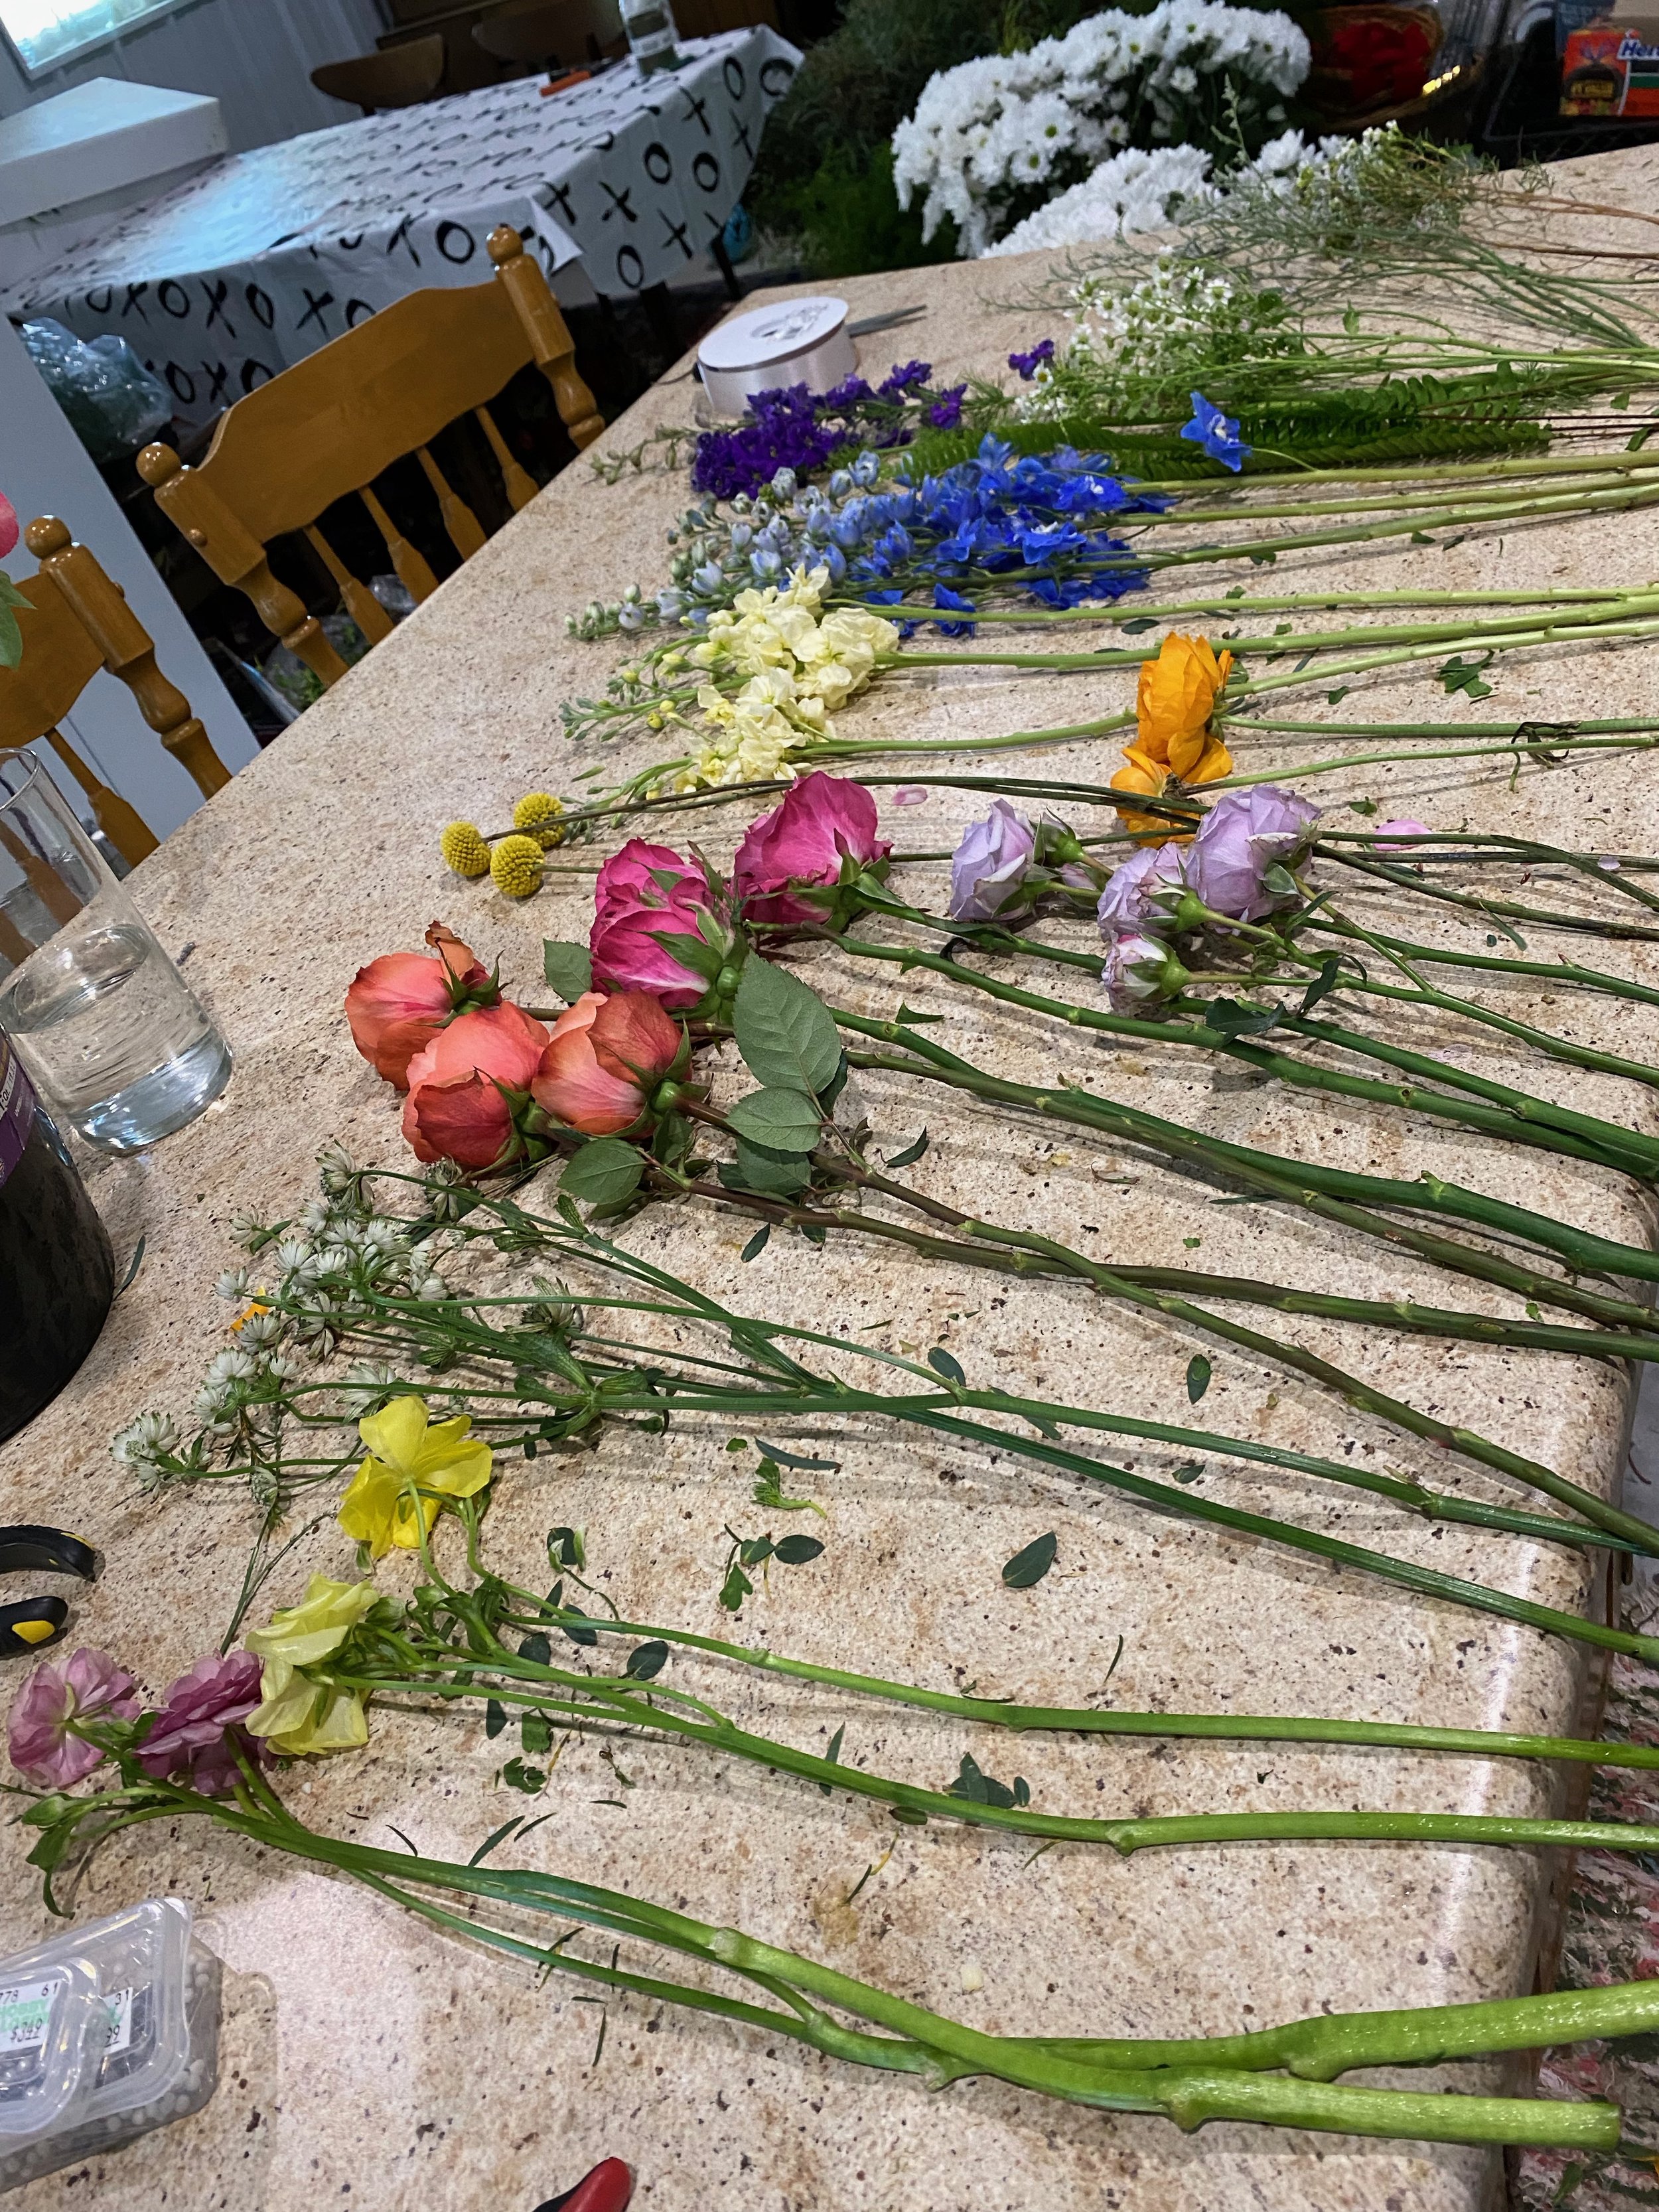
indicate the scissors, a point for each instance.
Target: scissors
{"x":29,"y":1548}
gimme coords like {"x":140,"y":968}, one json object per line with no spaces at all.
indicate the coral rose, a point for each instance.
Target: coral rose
{"x":604,"y":1058}
{"x":399,"y":1003}
{"x":645,"y":891}
{"x":823,"y":819}
{"x":455,"y":1110}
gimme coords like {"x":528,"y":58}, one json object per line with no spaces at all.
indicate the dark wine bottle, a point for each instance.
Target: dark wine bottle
{"x":56,"y":1271}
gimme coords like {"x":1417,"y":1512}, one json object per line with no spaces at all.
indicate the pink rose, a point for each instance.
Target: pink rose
{"x":455,"y":1110}
{"x":197,"y":1732}
{"x":8,"y":526}
{"x":823,"y":819}
{"x":88,"y":1685}
{"x":604,"y":1057}
{"x":643,"y":892}
{"x":399,"y":1002}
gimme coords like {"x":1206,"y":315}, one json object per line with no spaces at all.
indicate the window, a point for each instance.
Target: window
{"x":48,"y":31}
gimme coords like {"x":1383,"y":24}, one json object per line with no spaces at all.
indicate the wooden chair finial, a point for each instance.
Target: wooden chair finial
{"x":502,"y":244}
{"x":45,"y":536}
{"x":157,"y":464}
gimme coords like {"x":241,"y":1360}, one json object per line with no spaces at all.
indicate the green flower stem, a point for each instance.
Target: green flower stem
{"x":1227,"y":608}
{"x":1402,"y":1315}
{"x":1432,"y":637}
{"x":1519,"y":754}
{"x":1580,"y":1248}
{"x":1349,"y":1388}
{"x":916,"y":2039}
{"x":586,"y":1700}
{"x":1481,"y":903}
{"x":1540,"y":465}
{"x":1609,"y":726}
{"x":1576,"y":485}
{"x":1512,"y":1115}
{"x":1094,"y":1720}
{"x":1563,"y":972}
{"x":1276,"y":1177}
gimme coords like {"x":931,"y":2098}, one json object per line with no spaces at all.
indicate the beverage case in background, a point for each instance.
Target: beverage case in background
{"x":1611,"y":65}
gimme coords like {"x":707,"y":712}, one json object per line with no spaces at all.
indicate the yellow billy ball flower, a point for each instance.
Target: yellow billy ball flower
{"x":464,"y":849}
{"x":516,"y":865}
{"x":538,"y":813}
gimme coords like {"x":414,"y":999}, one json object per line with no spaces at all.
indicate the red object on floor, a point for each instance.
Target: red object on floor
{"x":607,"y":2188}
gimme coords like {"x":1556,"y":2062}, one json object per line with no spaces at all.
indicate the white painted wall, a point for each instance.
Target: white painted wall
{"x":45,"y":470}
{"x":255,"y":57}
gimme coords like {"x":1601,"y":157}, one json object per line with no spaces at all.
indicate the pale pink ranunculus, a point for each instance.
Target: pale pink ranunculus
{"x":198,"y":1731}
{"x":1406,"y":826}
{"x":645,"y":890}
{"x":604,"y":1058}
{"x":8,"y":526}
{"x":455,"y":1110}
{"x":823,"y":819}
{"x":398,"y":1004}
{"x":88,"y":1685}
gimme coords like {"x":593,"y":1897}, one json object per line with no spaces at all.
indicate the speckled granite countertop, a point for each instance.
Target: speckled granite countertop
{"x":367,"y":2061}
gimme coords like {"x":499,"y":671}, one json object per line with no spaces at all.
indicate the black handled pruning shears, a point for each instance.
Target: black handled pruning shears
{"x":30,"y":1549}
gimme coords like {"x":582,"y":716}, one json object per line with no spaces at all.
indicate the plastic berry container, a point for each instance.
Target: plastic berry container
{"x":151,"y":2053}
{"x":48,"y":2014}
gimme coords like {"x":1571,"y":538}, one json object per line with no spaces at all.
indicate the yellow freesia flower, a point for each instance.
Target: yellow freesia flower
{"x":298,"y":1712}
{"x":1175,"y":700}
{"x":413,"y":1464}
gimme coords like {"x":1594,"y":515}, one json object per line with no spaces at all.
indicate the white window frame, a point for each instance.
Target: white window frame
{"x":38,"y":74}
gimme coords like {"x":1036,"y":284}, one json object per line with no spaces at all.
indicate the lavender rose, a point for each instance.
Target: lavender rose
{"x":989,"y":865}
{"x":1244,"y":834}
{"x":1139,"y":893}
{"x":1138,"y":970}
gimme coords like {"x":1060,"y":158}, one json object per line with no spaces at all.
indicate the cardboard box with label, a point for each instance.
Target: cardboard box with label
{"x":1611,"y":67}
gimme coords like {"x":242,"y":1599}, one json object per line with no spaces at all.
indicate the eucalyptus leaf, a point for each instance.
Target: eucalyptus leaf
{"x":942,"y":1363}
{"x":602,"y":1173}
{"x":796,"y":1551}
{"x":786,"y":1035}
{"x":647,"y":1661}
{"x":1030,"y":1567}
{"x":569,"y":967}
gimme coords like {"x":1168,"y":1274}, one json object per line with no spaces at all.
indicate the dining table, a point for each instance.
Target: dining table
{"x":366,"y":2060}
{"x":250,"y":264}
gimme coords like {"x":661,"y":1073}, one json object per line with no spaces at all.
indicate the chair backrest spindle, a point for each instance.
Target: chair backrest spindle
{"x":332,"y":424}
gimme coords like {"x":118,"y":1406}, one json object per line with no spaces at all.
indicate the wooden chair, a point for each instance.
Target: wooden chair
{"x":76,"y":622}
{"x":544,"y":34}
{"x":396,"y":77}
{"x":330,"y":425}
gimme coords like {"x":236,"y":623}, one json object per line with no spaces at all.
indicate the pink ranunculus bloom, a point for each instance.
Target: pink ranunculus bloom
{"x":399,"y":1003}
{"x":605,"y":1057}
{"x":823,"y":819}
{"x":455,"y":1110}
{"x":8,"y":526}
{"x":1243,"y":834}
{"x":197,"y":1731}
{"x":645,"y":890}
{"x":1405,"y":827}
{"x":88,"y":1685}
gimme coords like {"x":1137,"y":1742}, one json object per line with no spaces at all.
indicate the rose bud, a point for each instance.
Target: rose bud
{"x":824,"y":820}
{"x":605,"y":1058}
{"x":643,"y":892}
{"x":989,"y":866}
{"x":455,"y":1110}
{"x":399,"y":1002}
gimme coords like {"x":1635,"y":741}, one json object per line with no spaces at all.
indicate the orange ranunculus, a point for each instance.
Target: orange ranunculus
{"x":1175,"y":701}
{"x":603,"y":1058}
{"x":1141,"y":772}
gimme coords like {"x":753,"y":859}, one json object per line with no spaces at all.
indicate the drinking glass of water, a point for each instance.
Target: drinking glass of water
{"x":107,"y":1027}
